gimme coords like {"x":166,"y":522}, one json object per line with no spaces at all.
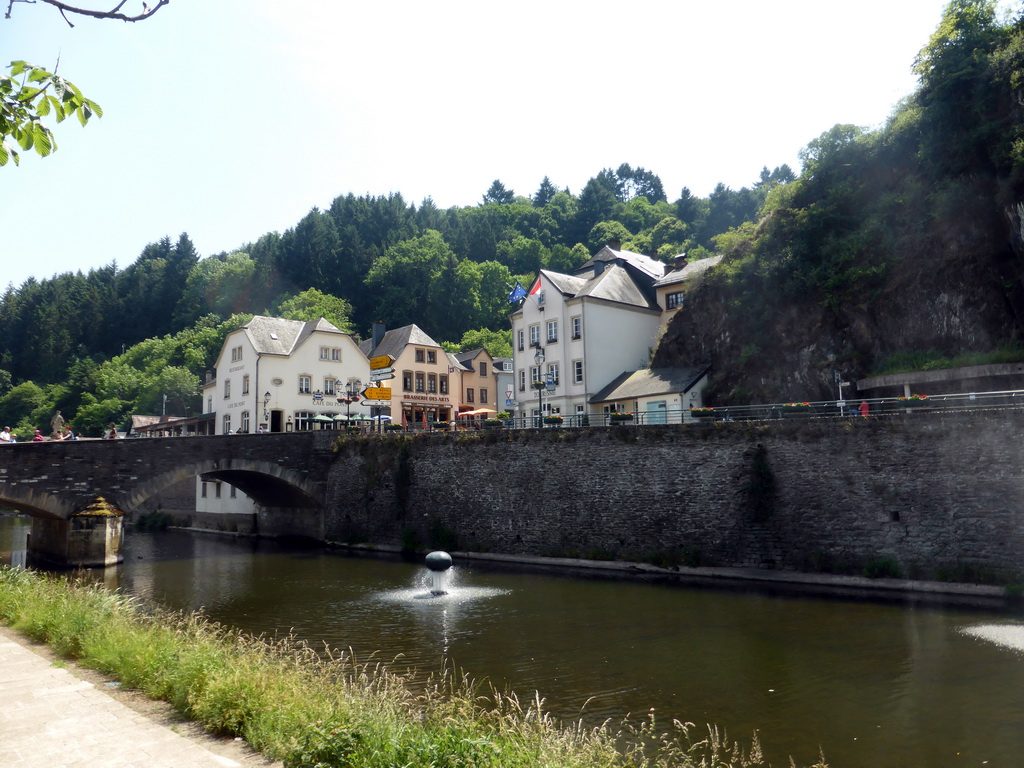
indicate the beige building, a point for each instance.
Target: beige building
{"x":479,"y":385}
{"x":427,"y":380}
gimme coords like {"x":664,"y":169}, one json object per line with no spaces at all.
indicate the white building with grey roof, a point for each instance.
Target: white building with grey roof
{"x":588,"y":327}
{"x":281,"y":375}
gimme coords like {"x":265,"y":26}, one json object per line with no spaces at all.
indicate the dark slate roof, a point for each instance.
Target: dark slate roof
{"x":645,"y":264}
{"x":277,"y":336}
{"x":569,"y":285}
{"x":396,"y":340}
{"x":615,"y":284}
{"x":689,"y":271}
{"x":651,"y":381}
{"x":468,"y":357}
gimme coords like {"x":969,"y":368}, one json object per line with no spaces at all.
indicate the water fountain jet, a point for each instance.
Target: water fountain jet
{"x":437,"y":563}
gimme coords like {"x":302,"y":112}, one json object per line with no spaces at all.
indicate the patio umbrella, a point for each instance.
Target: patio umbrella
{"x":324,"y":419}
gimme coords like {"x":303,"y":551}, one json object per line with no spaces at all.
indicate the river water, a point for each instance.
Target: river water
{"x":871,"y":684}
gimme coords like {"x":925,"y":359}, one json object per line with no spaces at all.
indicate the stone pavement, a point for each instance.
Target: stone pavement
{"x":67,"y":716}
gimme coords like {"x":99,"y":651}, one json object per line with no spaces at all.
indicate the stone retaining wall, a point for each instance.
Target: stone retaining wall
{"x":929,"y":491}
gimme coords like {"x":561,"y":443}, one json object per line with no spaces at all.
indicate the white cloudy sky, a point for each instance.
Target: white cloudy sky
{"x":228,"y":119}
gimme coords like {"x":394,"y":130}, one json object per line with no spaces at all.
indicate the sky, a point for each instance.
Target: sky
{"x":233,"y":118}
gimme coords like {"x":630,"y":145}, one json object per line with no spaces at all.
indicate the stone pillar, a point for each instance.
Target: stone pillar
{"x":90,"y":539}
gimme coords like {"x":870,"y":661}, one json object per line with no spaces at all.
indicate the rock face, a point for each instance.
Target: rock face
{"x":965,"y":295}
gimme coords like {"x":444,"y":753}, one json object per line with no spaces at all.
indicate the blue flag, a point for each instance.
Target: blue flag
{"x":518,"y":294}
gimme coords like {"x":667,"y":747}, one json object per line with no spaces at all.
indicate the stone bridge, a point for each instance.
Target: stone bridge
{"x":77,"y":492}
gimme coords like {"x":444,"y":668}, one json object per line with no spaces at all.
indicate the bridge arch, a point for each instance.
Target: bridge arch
{"x":265,"y":482}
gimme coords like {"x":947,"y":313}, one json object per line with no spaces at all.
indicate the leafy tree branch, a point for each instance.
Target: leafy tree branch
{"x":29,"y":94}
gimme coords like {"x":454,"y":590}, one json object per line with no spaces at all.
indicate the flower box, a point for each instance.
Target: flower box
{"x":620,"y":417}
{"x":702,"y":413}
{"x":552,"y":419}
{"x":441,"y":424}
{"x":393,"y":427}
{"x":913,"y":401}
{"x":493,"y":423}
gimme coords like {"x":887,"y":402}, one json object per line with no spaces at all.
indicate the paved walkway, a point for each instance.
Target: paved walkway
{"x":66,"y":716}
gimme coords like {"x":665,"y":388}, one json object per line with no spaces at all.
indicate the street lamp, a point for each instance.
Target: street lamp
{"x":352,"y":392}
{"x":538,"y":358}
{"x":266,"y":413}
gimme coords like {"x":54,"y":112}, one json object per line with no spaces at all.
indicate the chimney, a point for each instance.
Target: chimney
{"x":680,"y":260}
{"x":615,"y":244}
{"x":598,"y":268}
{"x":377,"y":334}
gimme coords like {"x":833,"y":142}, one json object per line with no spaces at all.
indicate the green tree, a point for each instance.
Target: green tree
{"x":544,"y":193}
{"x":497,"y":343}
{"x":498,"y":194}
{"x":311,"y":305}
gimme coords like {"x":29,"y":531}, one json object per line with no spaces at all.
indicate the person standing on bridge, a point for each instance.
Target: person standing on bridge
{"x":111,"y":432}
{"x":6,"y":436}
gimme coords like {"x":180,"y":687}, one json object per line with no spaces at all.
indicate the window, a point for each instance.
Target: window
{"x":419,"y":381}
{"x":483,"y":395}
{"x":236,"y":354}
{"x":552,"y":331}
{"x":226,"y":424}
{"x":431,"y":357}
{"x":227,"y":388}
{"x":540,"y":299}
{"x":420,"y":355}
{"x":233,"y":489}
{"x":432,"y":384}
{"x":534,"y":373}
{"x":407,"y":381}
{"x":336,"y":354}
{"x":522,"y":380}
{"x":203,"y":492}
{"x":469,"y":394}
{"x":577,"y":371}
{"x":534,"y":335}
{"x":245,"y":384}
{"x":245,"y":421}
{"x":216,"y":489}
{"x":577,"y":327}
{"x":674,"y":300}
{"x":325,"y":353}
{"x":522,"y":339}
{"x":329,"y":386}
{"x":209,"y":404}
{"x":305,"y":385}
{"x":444,"y":384}
{"x":553,"y":372}
{"x":304,"y":421}
{"x":483,"y":369}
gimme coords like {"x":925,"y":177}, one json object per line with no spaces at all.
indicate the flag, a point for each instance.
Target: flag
{"x":518,"y":294}
{"x":536,"y":287}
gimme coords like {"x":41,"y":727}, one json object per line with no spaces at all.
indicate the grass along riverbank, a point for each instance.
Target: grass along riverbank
{"x":316,"y":710}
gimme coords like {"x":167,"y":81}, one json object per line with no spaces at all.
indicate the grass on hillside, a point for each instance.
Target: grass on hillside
{"x":319,"y":710}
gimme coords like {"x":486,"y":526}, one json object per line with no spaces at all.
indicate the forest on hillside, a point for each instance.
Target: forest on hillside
{"x":112,"y":342}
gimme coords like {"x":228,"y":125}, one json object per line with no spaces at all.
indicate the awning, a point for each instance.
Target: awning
{"x":477,"y":412}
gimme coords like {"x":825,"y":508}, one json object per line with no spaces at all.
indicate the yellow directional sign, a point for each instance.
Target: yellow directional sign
{"x":377,"y":393}
{"x":381,"y":361}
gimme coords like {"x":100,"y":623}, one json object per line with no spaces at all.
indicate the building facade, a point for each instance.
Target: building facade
{"x":427,"y":382}
{"x":276,"y":375}
{"x":577,"y":332}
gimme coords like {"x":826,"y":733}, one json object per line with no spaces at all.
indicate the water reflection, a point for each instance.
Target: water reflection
{"x":883,"y":685}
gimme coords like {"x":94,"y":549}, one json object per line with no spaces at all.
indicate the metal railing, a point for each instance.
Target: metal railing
{"x":878,"y":407}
